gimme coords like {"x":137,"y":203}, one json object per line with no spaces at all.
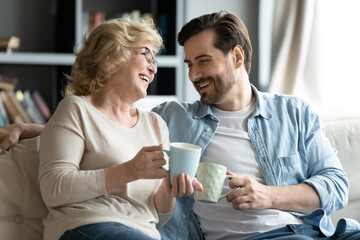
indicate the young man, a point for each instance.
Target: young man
{"x":288,"y":177}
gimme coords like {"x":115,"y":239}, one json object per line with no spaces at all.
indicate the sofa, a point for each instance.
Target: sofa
{"x":22,"y":208}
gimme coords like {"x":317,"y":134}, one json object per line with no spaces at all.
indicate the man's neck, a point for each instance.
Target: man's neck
{"x":238,"y":99}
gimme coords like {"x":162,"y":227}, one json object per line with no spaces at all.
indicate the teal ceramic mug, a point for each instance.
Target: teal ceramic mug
{"x":212,"y":177}
{"x":183,"y":158}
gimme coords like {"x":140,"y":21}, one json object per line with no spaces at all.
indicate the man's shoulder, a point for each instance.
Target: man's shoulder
{"x":172,"y":108}
{"x":275,"y":100}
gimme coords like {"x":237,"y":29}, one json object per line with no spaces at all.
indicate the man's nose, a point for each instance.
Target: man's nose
{"x":195,"y":74}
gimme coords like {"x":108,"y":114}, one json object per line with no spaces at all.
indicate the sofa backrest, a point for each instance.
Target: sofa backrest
{"x":22,"y":208}
{"x":21,"y":205}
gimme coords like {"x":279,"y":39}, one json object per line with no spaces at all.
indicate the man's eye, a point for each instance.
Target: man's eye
{"x":204,"y":61}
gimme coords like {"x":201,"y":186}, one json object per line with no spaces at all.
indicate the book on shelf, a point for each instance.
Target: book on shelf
{"x":41,"y":104}
{"x":21,"y":106}
{"x":26,"y":101}
{"x":3,"y":114}
{"x":7,"y":44}
{"x":15,"y":111}
{"x":2,"y":123}
{"x":92,"y":20}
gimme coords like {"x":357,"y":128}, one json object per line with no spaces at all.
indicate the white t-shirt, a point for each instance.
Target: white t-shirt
{"x":231,"y":146}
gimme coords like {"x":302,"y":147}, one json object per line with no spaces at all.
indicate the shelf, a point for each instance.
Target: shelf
{"x":37,"y":58}
{"x":67,"y":59}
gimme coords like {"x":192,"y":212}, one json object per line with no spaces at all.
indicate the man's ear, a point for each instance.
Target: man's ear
{"x":238,"y":55}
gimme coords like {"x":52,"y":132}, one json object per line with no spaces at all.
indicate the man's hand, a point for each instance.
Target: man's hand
{"x":250,"y":194}
{"x":253,"y":195}
{"x":9,"y":136}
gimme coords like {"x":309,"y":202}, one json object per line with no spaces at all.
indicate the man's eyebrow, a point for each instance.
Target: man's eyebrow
{"x":196,"y":58}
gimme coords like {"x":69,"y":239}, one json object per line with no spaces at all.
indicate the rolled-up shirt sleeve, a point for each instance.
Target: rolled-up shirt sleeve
{"x":324,"y":167}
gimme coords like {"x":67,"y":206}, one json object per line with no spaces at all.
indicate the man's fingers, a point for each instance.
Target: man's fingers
{"x":237,"y":181}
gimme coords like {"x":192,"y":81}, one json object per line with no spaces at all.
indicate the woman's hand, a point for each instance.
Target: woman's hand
{"x":147,"y":164}
{"x":167,"y":193}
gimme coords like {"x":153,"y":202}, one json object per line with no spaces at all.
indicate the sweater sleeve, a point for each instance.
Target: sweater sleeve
{"x":62,"y":148}
{"x":61,"y":181}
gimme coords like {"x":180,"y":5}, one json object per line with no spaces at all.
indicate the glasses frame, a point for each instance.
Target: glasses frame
{"x":149,"y":56}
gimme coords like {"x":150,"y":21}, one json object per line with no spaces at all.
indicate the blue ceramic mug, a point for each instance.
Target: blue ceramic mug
{"x":183,"y":158}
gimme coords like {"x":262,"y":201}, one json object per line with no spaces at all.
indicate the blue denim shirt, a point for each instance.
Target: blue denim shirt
{"x":290,"y":145}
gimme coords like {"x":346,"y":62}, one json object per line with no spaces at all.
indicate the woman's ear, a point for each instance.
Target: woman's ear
{"x":238,"y":54}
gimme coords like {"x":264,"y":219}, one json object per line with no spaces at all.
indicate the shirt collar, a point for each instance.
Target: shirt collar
{"x":260,"y":109}
{"x":205,"y":110}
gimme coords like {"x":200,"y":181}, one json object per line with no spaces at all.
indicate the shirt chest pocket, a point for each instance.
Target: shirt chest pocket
{"x":291,"y":169}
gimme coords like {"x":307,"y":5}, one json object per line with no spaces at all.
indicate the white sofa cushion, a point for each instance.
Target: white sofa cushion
{"x":21,"y":205}
{"x":344,"y":136}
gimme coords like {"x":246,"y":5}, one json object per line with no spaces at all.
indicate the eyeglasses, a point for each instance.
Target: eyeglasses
{"x":149,"y":56}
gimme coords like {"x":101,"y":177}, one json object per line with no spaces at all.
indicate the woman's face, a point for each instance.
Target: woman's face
{"x":134,"y":77}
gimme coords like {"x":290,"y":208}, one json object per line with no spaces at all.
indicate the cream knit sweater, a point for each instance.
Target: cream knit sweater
{"x":76,"y":145}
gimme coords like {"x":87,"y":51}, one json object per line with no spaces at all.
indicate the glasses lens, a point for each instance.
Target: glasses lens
{"x":150,"y":57}
{"x":155,"y":63}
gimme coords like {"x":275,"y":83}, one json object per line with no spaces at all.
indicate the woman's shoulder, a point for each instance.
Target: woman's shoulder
{"x":68,"y":107}
{"x":72,"y":100}
{"x":149,"y":115}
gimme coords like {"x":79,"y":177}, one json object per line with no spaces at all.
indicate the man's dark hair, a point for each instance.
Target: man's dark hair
{"x":229,"y":30}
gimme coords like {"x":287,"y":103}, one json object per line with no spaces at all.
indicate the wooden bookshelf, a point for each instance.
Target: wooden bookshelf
{"x":53,"y":28}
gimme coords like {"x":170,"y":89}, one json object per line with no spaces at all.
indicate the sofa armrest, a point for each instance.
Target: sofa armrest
{"x":344,"y":136}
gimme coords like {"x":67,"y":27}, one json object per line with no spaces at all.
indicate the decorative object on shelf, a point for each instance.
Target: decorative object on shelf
{"x":7,"y":83}
{"x":7,"y":44}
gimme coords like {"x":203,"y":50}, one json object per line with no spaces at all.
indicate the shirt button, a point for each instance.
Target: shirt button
{"x":207,"y":130}
{"x":183,"y":215}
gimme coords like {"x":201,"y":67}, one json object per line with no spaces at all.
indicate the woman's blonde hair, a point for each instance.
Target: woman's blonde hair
{"x":107,"y":48}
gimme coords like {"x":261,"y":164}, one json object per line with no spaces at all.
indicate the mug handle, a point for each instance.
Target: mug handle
{"x":166,"y":151}
{"x":225,"y":194}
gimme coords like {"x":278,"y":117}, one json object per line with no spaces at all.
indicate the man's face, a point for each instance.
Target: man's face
{"x":210,"y":71}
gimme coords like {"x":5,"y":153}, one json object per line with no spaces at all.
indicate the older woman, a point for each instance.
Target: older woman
{"x":102,"y":171}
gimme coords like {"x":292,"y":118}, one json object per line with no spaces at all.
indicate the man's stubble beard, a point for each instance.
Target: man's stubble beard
{"x":221,"y":89}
